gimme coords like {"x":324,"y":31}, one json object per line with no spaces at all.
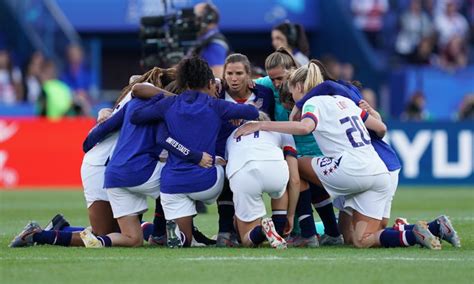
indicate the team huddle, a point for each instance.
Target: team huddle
{"x":181,"y":136}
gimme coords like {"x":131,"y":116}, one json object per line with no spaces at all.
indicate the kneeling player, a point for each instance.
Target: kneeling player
{"x":256,"y":165}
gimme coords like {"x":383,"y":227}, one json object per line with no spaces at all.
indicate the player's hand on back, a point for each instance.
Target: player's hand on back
{"x":206,"y":160}
{"x":104,"y":114}
{"x":369,"y":109}
{"x":248,"y":128}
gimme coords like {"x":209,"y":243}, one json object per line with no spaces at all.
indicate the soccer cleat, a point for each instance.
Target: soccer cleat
{"x":89,"y":239}
{"x":300,"y":242}
{"x":199,"y":237}
{"x":57,"y":223}
{"x":228,"y":240}
{"x":173,"y":235}
{"x":327,"y":240}
{"x":25,"y":238}
{"x":447,"y":232}
{"x":424,"y":237}
{"x":195,"y":243}
{"x":157,"y":241}
{"x":275,"y":240}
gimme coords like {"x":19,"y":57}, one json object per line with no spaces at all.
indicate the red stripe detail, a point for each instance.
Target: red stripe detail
{"x":364,"y":115}
{"x":401,"y":239}
{"x":312,"y":116}
{"x":289,"y":149}
{"x":241,"y":101}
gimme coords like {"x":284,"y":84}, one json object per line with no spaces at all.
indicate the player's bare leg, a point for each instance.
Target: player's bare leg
{"x":244,"y":229}
{"x":366,"y":231}
{"x":131,"y":234}
{"x":345,"y":226}
{"x":102,"y":219}
{"x":185,"y":225}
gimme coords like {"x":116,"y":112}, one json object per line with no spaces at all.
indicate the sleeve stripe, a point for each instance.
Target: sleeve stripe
{"x":311,"y":116}
{"x":288,"y":150}
{"x":364,"y":115}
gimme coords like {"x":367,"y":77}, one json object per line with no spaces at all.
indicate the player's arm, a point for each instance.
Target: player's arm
{"x":152,"y":111}
{"x":101,"y":130}
{"x":293,"y":188}
{"x":173,"y":146}
{"x":369,"y":109}
{"x":147,"y":91}
{"x":374,"y":124}
{"x":303,"y":127}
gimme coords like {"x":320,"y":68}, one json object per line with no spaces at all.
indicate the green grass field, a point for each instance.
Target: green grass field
{"x":49,"y":264}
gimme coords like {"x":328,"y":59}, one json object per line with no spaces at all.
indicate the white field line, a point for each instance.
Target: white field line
{"x":241,"y":258}
{"x":305,"y":258}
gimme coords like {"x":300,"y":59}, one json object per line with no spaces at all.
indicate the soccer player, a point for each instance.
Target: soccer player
{"x":279,"y":65}
{"x":92,"y":173}
{"x":256,"y":165}
{"x":350,"y":166}
{"x":236,"y":90}
{"x":440,"y":227}
{"x":194,"y":117}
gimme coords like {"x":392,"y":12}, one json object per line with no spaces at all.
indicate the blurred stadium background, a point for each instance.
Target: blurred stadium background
{"x":421,"y":82}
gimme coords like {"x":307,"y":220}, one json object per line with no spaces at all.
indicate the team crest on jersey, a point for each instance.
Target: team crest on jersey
{"x":308,"y":108}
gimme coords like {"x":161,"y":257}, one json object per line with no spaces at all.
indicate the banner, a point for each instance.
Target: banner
{"x":41,"y":153}
{"x":37,"y":152}
{"x":434,"y":152}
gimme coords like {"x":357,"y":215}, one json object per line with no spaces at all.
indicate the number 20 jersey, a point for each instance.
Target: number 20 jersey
{"x":340,"y":131}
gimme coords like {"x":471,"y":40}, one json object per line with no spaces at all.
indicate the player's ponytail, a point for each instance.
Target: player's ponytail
{"x":280,"y":58}
{"x":156,"y":76}
{"x":314,"y":77}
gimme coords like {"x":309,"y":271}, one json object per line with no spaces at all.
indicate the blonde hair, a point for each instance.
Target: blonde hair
{"x":309,"y":75}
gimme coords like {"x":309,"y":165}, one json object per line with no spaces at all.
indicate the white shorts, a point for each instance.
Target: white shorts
{"x":251,"y":181}
{"x":367,"y":195}
{"x":93,"y":183}
{"x":339,"y":202}
{"x":179,"y":205}
{"x":129,"y":201}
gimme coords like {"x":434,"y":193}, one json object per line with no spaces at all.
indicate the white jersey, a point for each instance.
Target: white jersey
{"x":258,"y":146}
{"x":340,"y":130}
{"x":98,"y":155}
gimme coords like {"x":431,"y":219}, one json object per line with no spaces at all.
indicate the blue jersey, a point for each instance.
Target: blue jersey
{"x":138,"y":147}
{"x":195,"y":119}
{"x":345,"y":89}
{"x":263,"y":98}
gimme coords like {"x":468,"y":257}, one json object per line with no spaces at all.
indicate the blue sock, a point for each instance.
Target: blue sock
{"x":257,"y":236}
{"x":159,"y":221}
{"x":433,"y":226}
{"x":279,"y":220}
{"x":58,"y":238}
{"x":392,"y":238}
{"x":226,"y":210}
{"x":72,"y":229}
{"x":105,"y":240}
{"x":323,"y":205}
{"x":147,"y":229}
{"x":305,"y":213}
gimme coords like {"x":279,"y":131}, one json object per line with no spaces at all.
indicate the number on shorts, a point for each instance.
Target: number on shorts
{"x":355,"y":126}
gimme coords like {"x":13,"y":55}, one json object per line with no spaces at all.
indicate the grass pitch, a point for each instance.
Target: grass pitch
{"x":50,"y":264}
